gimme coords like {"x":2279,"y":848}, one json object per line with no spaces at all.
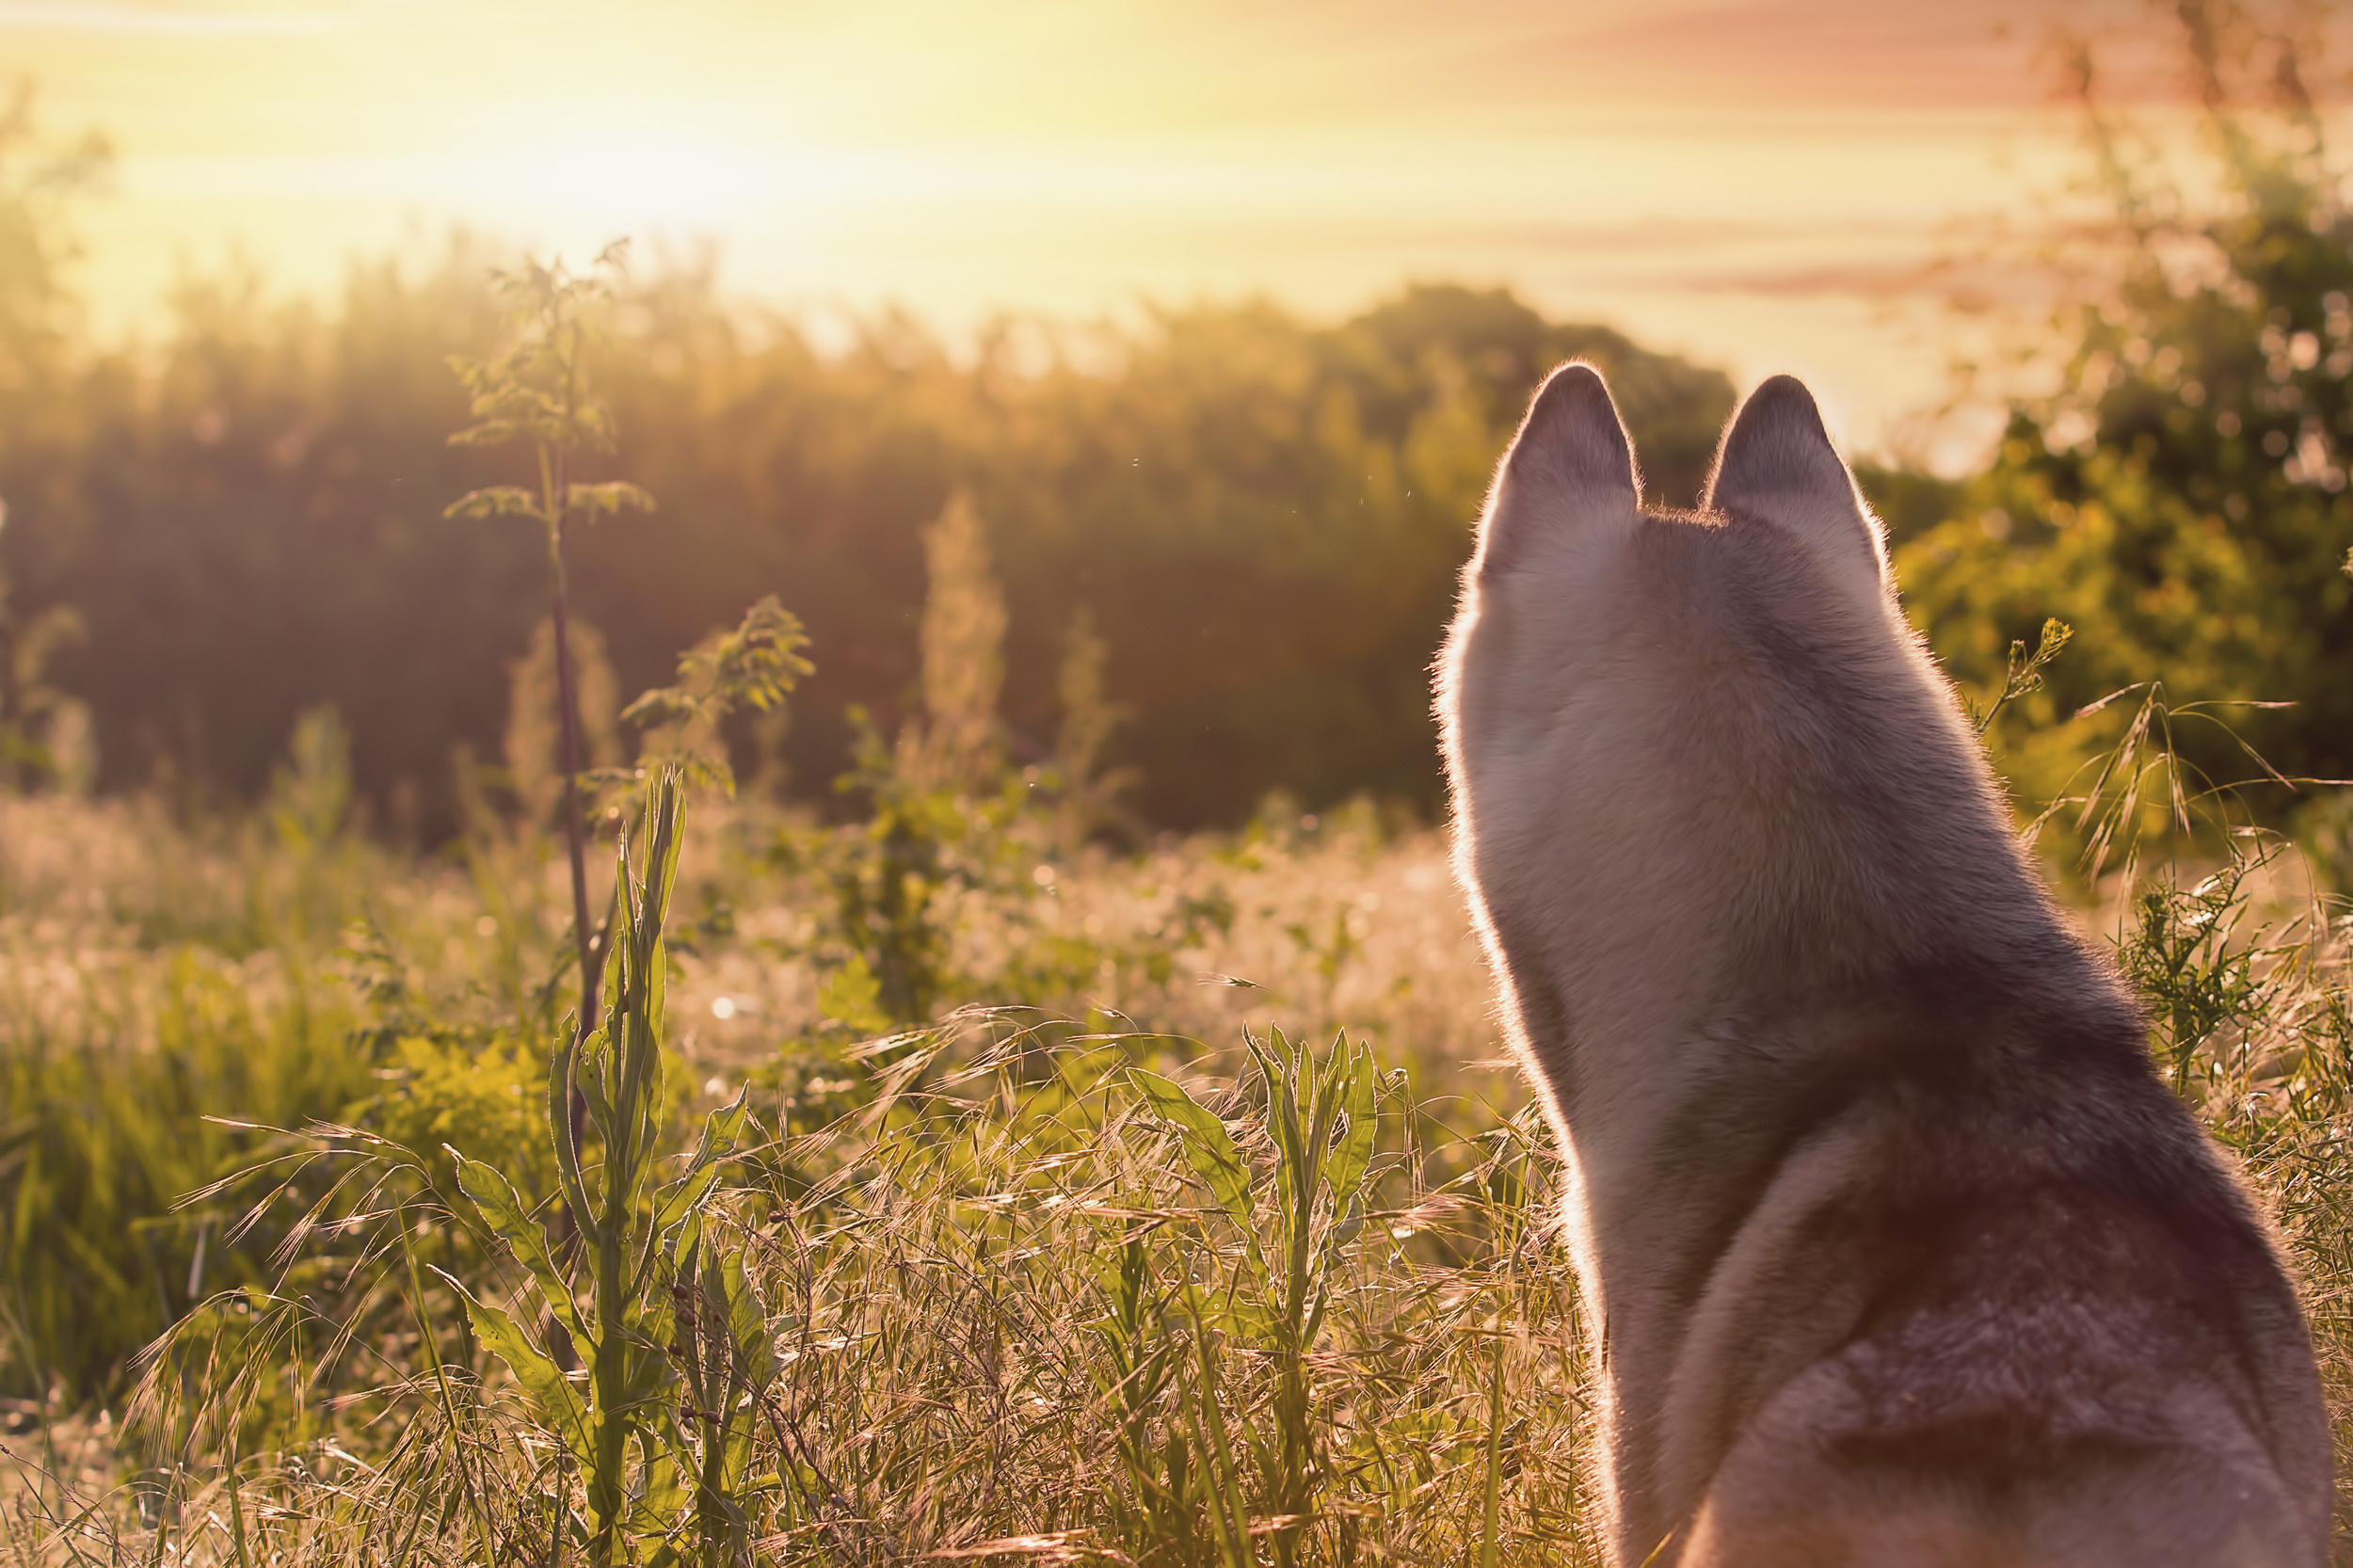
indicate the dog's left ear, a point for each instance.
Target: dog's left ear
{"x":1570,"y":470}
{"x":1777,"y":464}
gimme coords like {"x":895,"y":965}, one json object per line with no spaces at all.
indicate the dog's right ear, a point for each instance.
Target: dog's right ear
{"x":1777,"y":463}
{"x":1570,"y":466}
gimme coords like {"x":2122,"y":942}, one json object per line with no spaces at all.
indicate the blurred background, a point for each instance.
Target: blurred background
{"x":1218,"y":314}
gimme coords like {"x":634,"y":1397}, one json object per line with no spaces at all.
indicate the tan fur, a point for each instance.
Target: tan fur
{"x":1893,"y":1248}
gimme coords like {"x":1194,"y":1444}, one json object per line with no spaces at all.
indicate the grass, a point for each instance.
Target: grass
{"x":937,"y":1243}
{"x":1060,"y":1280}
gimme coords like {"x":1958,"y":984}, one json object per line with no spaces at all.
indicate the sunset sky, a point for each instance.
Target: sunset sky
{"x":1759,"y":184}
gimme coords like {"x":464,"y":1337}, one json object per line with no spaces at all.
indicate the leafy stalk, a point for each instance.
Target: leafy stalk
{"x":537,"y":393}
{"x":619,"y":1423}
{"x":1320,"y":1117}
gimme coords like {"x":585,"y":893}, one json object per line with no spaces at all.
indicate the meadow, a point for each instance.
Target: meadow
{"x":988,"y":1065}
{"x":1086,"y":1204}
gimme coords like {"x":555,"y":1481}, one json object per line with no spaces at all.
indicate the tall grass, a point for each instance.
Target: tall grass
{"x":1019,"y":1302}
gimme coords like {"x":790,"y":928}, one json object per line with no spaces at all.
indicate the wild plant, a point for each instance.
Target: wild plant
{"x":938,"y":803}
{"x":755,"y":665}
{"x":31,"y":709}
{"x":2023,"y":674}
{"x":537,"y":393}
{"x":648,"y":1265}
{"x":1321,"y":1118}
{"x":947,"y":826}
{"x":636,"y":1459}
{"x":635,"y":1282}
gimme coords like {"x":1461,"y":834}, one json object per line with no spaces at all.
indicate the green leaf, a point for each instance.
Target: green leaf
{"x":552,"y":1395}
{"x":662,"y":705}
{"x":1279,"y":1066}
{"x":747,"y":1324}
{"x":657,"y":993}
{"x":502,"y":1208}
{"x":743,"y":1427}
{"x":647,"y":1374}
{"x":1351,"y":1154}
{"x":723,"y":1130}
{"x":1208,"y":1147}
{"x":593,"y":1050}
{"x":489,"y":433}
{"x":495,"y":501}
{"x":661,"y":1491}
{"x":608,"y":499}
{"x":561,"y":1076}
{"x":669,"y":838}
{"x":676,"y":1202}
{"x":1244,"y":1317}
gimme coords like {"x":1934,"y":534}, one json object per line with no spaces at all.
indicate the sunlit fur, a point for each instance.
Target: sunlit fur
{"x":1893,"y":1247}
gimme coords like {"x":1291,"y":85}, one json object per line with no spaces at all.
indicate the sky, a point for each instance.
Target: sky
{"x":1761,"y":184}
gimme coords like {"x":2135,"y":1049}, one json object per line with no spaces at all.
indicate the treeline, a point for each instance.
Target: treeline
{"x":1263,"y":517}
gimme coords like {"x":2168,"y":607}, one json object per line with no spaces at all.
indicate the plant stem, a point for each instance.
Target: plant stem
{"x":553,"y":469}
{"x":555,"y":489}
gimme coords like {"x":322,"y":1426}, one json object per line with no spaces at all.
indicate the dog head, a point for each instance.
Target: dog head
{"x":1688,"y":731}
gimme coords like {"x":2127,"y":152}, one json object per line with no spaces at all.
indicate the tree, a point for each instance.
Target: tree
{"x":2181,"y":498}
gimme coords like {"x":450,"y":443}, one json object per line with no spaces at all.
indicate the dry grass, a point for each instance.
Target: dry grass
{"x":1009,"y":1319}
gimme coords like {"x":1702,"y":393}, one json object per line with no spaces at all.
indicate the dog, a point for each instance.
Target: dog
{"x":1892,"y":1246}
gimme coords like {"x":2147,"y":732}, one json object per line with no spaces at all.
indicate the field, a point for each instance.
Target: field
{"x":1056,"y":1277}
{"x":446,"y":1120}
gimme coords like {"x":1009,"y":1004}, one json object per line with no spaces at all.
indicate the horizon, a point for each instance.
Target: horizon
{"x":1817,"y":186}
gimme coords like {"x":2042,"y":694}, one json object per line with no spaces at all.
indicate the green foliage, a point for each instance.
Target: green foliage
{"x":1263,"y":515}
{"x":1007,"y":1285}
{"x":536,"y":392}
{"x":2186,"y":956}
{"x":745,"y":1292}
{"x":1320,"y":1119}
{"x":946,"y":828}
{"x":2181,"y":498}
{"x":920,"y":871}
{"x":753,"y":666}
{"x":99,"y":1145}
{"x":620,"y":1427}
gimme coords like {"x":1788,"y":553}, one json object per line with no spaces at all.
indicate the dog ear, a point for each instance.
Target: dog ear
{"x":1777,"y":464}
{"x":1570,"y":465}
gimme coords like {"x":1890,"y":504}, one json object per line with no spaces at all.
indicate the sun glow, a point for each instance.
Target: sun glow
{"x":643,"y":169}
{"x":1759,"y":183}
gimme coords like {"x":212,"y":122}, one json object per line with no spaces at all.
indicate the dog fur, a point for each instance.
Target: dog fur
{"x":1892,"y":1245}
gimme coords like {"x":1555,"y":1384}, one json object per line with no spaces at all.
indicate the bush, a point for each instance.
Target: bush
{"x":2181,"y":496}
